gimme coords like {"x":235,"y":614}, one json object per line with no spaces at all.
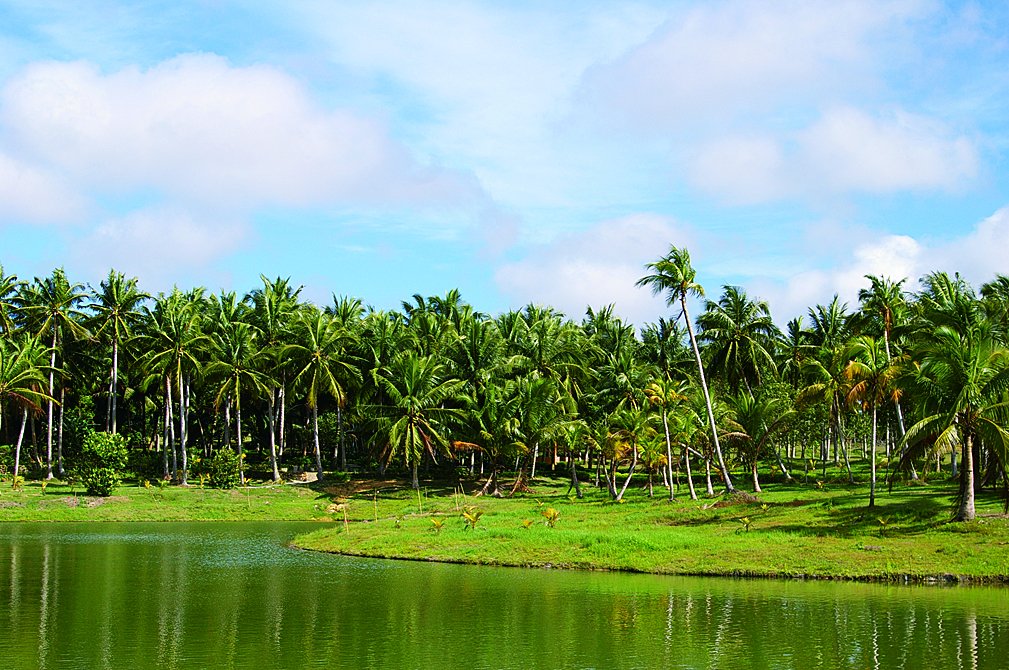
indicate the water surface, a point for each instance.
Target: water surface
{"x":231,"y":595}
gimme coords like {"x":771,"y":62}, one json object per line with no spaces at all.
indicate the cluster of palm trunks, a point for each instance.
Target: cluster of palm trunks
{"x":914,"y":377}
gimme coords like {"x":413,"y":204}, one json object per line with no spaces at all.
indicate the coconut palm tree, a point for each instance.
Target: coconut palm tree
{"x":873,"y":374}
{"x":739,"y":335}
{"x":116,"y":306}
{"x":758,"y":420}
{"x":10,"y":286}
{"x":673,"y":276}
{"x":234,"y":362}
{"x":22,"y":375}
{"x":49,"y":308}
{"x":323,"y":366}
{"x":414,"y":420}
{"x":665,"y":394}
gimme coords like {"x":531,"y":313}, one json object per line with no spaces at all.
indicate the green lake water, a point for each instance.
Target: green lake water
{"x":231,"y":595}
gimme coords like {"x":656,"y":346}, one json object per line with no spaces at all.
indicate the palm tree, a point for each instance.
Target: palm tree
{"x":873,"y":373}
{"x":116,"y":315}
{"x":828,"y":383}
{"x":321,"y":355}
{"x":666,"y":394}
{"x":674,"y":276}
{"x":961,"y":382}
{"x":275,"y":307}
{"x":22,"y":374}
{"x":10,"y":286}
{"x":49,"y":308}
{"x":758,"y":420}
{"x":414,"y":420}
{"x":739,"y":335}
{"x":174,"y":347}
{"x":234,"y":362}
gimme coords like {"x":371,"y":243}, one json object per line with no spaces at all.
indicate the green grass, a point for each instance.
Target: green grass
{"x":173,"y":503}
{"x":803,"y":531}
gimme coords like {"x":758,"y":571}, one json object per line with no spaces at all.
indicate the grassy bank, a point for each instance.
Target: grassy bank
{"x":59,"y":502}
{"x":794,"y":529}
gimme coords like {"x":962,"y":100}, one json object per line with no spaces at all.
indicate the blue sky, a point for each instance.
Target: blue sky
{"x":521,"y":152}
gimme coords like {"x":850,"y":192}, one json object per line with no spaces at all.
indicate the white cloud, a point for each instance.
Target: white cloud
{"x":35,"y":195}
{"x":595,"y":267}
{"x":198,"y":129}
{"x":157,"y":245}
{"x":715,"y":61}
{"x":977,"y":256}
{"x":846,"y":150}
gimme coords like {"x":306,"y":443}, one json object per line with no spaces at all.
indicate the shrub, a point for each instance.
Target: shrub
{"x":145,"y":464}
{"x":224,"y":469}
{"x":100,"y":464}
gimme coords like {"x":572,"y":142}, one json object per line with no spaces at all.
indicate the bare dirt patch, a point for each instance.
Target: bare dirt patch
{"x":10,"y":503}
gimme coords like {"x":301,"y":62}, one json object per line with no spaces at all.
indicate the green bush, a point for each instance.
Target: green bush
{"x":145,"y":464}
{"x":224,"y":469}
{"x":100,"y":464}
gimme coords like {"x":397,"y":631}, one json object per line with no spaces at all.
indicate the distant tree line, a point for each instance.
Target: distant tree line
{"x":905,"y":380}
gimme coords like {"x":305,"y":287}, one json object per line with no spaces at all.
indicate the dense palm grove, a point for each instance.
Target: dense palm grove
{"x":909,"y":382}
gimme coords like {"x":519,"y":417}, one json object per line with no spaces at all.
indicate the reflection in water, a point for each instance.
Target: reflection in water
{"x":231,"y":596}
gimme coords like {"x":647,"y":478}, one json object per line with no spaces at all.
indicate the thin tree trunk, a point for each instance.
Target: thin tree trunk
{"x":574,"y":479}
{"x":283,"y":413}
{"x":184,"y":428}
{"x":59,"y":450}
{"x":536,"y":453}
{"x":17,"y":449}
{"x":416,"y":481}
{"x":175,"y":459}
{"x":315,"y":438}
{"x":966,"y":511}
{"x":115,"y":381}
{"x":690,"y":478}
{"x":168,"y":420}
{"x":630,"y":472}
{"x":669,"y":454}
{"x":238,"y":435}
{"x":756,"y":479}
{"x":49,"y":434}
{"x":872,"y":477}
{"x":844,"y":449}
{"x":273,"y":433}
{"x":227,"y":422}
{"x":342,"y":445}
{"x":707,"y":398}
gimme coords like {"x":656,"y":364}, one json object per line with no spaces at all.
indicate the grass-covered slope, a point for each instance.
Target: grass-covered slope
{"x":794,"y":529}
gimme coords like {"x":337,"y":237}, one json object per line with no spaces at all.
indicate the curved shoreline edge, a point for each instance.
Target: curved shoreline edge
{"x":943,"y":579}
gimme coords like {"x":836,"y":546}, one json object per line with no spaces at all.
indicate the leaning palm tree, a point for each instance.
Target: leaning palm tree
{"x":116,"y":306}
{"x":414,"y":421}
{"x":49,"y":307}
{"x":961,"y":381}
{"x":322,"y":364}
{"x":673,"y":276}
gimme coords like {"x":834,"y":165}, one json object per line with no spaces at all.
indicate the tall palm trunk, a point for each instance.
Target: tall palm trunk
{"x":273,"y":433}
{"x":227,"y":422}
{"x":238,"y":434}
{"x":168,"y":421}
{"x":49,"y":433}
{"x":872,"y":447}
{"x":416,"y":482}
{"x":707,"y":398}
{"x":690,"y":477}
{"x":966,"y":511}
{"x":59,"y":433}
{"x":283,"y":407}
{"x":171,"y":429}
{"x":315,"y":439}
{"x":536,"y":453}
{"x":756,"y":479}
{"x":340,"y":445}
{"x":115,"y":380}
{"x":630,"y":472}
{"x":669,"y":454}
{"x":17,"y":449}
{"x":183,"y":426}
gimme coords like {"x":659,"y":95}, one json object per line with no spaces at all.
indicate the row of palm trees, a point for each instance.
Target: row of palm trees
{"x":187,"y":373}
